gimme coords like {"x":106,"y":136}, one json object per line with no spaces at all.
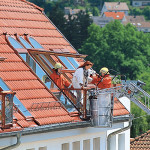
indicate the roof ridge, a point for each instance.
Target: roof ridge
{"x":37,"y":7}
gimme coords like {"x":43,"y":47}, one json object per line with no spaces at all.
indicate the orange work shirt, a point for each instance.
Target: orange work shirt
{"x":105,"y":82}
{"x":59,"y":80}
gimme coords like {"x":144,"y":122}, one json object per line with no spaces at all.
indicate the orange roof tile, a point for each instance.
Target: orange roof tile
{"x":141,"y":142}
{"x":22,"y":17}
{"x":115,"y":15}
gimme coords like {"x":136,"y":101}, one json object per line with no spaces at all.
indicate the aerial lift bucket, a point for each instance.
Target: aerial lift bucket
{"x":101,"y":106}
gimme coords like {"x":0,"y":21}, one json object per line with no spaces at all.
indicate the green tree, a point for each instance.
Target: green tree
{"x":146,"y":12}
{"x":119,"y":47}
{"x":139,"y":124}
{"x":56,"y":15}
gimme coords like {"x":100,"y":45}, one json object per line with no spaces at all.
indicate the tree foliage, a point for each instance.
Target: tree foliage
{"x":119,"y":47}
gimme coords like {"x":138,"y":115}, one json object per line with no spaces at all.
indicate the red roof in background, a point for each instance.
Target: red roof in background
{"x":141,"y":142}
{"x":115,"y":15}
{"x":20,"y":16}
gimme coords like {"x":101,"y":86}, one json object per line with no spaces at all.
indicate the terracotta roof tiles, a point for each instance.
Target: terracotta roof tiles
{"x":141,"y":142}
{"x":116,"y":6}
{"x":22,"y":17}
{"x":115,"y":15}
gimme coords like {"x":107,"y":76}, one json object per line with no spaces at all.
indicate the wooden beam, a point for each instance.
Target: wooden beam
{"x":37,"y":51}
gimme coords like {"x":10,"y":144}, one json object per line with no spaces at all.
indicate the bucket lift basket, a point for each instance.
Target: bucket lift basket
{"x":102,"y":102}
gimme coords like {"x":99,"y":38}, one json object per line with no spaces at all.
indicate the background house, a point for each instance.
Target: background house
{"x":140,"y":3}
{"x":115,"y":7}
{"x":101,"y":21}
{"x":139,"y":22}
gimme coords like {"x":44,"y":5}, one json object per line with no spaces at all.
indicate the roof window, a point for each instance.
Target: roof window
{"x":66,"y":62}
{"x":34,"y":43}
{"x":14,"y":43}
{"x":73,"y":61}
{"x":24,"y":42}
{"x":16,"y":101}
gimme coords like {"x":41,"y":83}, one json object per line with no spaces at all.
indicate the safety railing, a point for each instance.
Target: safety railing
{"x":137,"y":95}
{"x":86,"y":95}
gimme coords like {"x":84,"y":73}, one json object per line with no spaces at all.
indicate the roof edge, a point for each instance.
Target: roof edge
{"x":47,"y":128}
{"x":124,"y":118}
{"x":37,"y":7}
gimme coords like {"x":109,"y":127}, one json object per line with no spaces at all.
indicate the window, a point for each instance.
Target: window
{"x":16,"y":101}
{"x":14,"y":43}
{"x":66,"y":62}
{"x":96,"y":144}
{"x":25,"y":43}
{"x":73,"y":61}
{"x":43,"y":148}
{"x":86,"y":145}
{"x":76,"y":145}
{"x":35,"y":44}
{"x":41,"y":74}
{"x":121,"y":141}
{"x":65,"y":146}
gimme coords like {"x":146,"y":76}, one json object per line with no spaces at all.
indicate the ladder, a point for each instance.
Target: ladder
{"x":137,"y":95}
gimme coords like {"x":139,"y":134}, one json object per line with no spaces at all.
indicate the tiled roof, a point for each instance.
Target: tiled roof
{"x":137,"y":21}
{"x":135,"y":18}
{"x":114,"y":6}
{"x":22,"y":17}
{"x":141,"y":142}
{"x":117,"y":15}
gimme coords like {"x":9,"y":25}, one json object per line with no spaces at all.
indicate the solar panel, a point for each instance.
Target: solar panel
{"x":16,"y":101}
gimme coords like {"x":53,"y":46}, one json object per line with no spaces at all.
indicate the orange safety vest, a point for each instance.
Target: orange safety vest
{"x":105,"y":83}
{"x":59,"y":80}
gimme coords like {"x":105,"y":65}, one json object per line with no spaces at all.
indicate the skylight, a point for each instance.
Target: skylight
{"x":17,"y":102}
{"x":25,"y":43}
{"x":14,"y":43}
{"x":35,"y":44}
{"x":66,"y":62}
{"x":73,"y":61}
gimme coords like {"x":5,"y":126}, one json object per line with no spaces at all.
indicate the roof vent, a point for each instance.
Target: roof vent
{"x":117,"y":16}
{"x":139,"y":24}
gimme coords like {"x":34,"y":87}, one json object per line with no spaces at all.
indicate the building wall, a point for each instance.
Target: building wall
{"x":73,"y":139}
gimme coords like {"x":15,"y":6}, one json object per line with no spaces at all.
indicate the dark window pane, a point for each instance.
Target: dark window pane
{"x":14,"y":43}
{"x":35,"y":43}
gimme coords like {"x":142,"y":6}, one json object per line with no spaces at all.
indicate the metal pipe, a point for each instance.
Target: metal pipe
{"x":118,"y":131}
{"x":14,"y":145}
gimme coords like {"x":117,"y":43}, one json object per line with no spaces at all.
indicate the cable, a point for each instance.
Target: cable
{"x":140,"y":117}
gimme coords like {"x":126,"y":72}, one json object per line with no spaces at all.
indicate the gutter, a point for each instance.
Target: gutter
{"x":14,"y":145}
{"x":47,"y":128}
{"x":119,"y":131}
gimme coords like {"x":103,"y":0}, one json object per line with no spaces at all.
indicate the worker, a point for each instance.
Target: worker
{"x":58,"y":78}
{"x":80,"y":79}
{"x":104,"y":80}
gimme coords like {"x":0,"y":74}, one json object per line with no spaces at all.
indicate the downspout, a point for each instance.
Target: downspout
{"x":14,"y":145}
{"x":117,"y":132}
